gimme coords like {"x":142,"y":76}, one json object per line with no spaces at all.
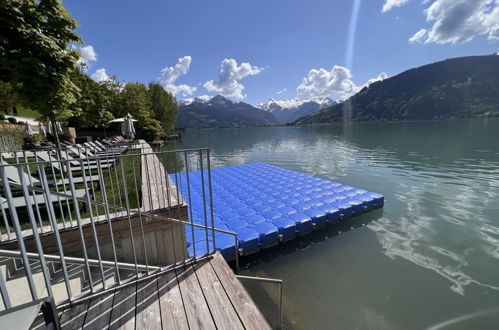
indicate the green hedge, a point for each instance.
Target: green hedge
{"x":11,"y":138}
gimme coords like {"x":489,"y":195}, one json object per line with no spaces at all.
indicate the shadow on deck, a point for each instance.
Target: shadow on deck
{"x":204,"y":295}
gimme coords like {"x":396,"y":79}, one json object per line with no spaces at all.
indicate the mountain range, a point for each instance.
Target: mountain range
{"x":218,"y":111}
{"x":287,"y":111}
{"x":465,"y":87}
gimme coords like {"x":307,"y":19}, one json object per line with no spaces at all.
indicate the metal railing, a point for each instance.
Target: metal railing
{"x":104,"y":210}
{"x":266,"y":303}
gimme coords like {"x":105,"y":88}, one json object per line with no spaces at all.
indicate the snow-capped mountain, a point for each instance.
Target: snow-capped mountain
{"x":218,"y":111}
{"x":287,"y":111}
{"x":198,"y":99}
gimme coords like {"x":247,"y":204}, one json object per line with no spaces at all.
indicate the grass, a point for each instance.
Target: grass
{"x":27,"y":112}
{"x":11,"y":138}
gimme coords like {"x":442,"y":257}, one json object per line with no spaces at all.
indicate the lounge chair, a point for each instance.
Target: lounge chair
{"x":40,"y":199}
{"x":44,"y":156}
{"x":97,"y":149}
{"x":87,"y":164}
{"x":12,"y":174}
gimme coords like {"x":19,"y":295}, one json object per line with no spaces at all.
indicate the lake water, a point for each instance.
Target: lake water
{"x":429,"y":259}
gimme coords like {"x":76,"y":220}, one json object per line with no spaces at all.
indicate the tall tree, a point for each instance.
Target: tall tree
{"x":95,"y":101}
{"x":36,"y":54}
{"x":135,"y":100}
{"x":8,"y":97}
{"x":163,"y":105}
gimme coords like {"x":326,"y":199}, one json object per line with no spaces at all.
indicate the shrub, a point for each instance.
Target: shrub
{"x":12,"y":120}
{"x":2,"y":116}
{"x":11,"y":139}
{"x":38,"y":138}
{"x":152,"y":129}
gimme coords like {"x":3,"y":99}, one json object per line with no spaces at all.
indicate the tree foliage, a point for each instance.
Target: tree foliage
{"x":35,"y":54}
{"x":135,"y":100}
{"x":8,"y":97}
{"x":163,"y":106}
{"x":38,"y":68}
{"x":94,"y":103}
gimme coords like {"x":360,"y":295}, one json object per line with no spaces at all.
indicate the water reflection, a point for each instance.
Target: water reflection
{"x":440,"y":181}
{"x":309,"y":240}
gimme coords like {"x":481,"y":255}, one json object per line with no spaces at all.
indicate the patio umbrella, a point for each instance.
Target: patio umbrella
{"x":127,"y":128}
{"x":28,"y":132}
{"x":121,"y":120}
{"x":41,"y":130}
{"x":57,"y":130}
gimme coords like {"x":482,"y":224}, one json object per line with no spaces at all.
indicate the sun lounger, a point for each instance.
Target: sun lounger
{"x":13,"y":174}
{"x":87,"y":164}
{"x":39,"y":199}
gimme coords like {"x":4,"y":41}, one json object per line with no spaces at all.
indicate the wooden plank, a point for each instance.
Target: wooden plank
{"x":250,"y":315}
{"x":221,"y":308}
{"x":196,"y":308}
{"x":74,"y":316}
{"x":158,"y":190}
{"x":172,"y":308}
{"x":147,"y":313}
{"x":99,"y":311}
{"x":123,"y":314}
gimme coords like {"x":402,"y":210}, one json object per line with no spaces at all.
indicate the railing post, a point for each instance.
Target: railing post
{"x":19,"y":235}
{"x":190,"y":203}
{"x":92,"y":222}
{"x":211,"y":199}
{"x":4,"y":293}
{"x":55,"y":227}
{"x":31,"y":184}
{"x":127,"y":203}
{"x":204,"y":200}
{"x":140,"y":214}
{"x":79,"y":224}
{"x":38,"y":243}
{"x":108,"y":217}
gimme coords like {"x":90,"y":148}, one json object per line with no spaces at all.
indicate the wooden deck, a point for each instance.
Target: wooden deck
{"x":206,"y":295}
{"x":158,"y":190}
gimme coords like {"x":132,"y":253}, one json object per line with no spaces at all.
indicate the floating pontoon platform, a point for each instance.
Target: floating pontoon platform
{"x":266,"y":205}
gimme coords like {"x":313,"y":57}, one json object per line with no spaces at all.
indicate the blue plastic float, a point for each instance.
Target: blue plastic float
{"x":265,"y":205}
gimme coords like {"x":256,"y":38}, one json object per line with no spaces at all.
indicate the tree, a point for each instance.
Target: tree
{"x":94,"y":101}
{"x":8,"y":97}
{"x":36,"y":54}
{"x":163,"y":105}
{"x":135,"y":100}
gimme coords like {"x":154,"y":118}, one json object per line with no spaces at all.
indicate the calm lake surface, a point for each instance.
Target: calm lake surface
{"x":429,"y":259}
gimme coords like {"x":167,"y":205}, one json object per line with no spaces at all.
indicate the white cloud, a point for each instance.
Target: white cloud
{"x":418,"y":36}
{"x":323,"y":83}
{"x":281,"y":91}
{"x":389,"y":4}
{"x":456,"y":21}
{"x":88,"y":55}
{"x":337,"y":82}
{"x":169,"y":76}
{"x":100,"y":75}
{"x":379,"y":77}
{"x":228,"y":81}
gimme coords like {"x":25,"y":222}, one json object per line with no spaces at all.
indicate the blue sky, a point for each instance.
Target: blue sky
{"x":281,"y":41}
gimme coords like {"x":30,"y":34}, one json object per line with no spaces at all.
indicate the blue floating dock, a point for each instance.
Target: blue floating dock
{"x":265,"y":205}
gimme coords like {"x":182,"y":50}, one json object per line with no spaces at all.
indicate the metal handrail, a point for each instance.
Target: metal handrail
{"x":74,"y":260}
{"x":60,"y":201}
